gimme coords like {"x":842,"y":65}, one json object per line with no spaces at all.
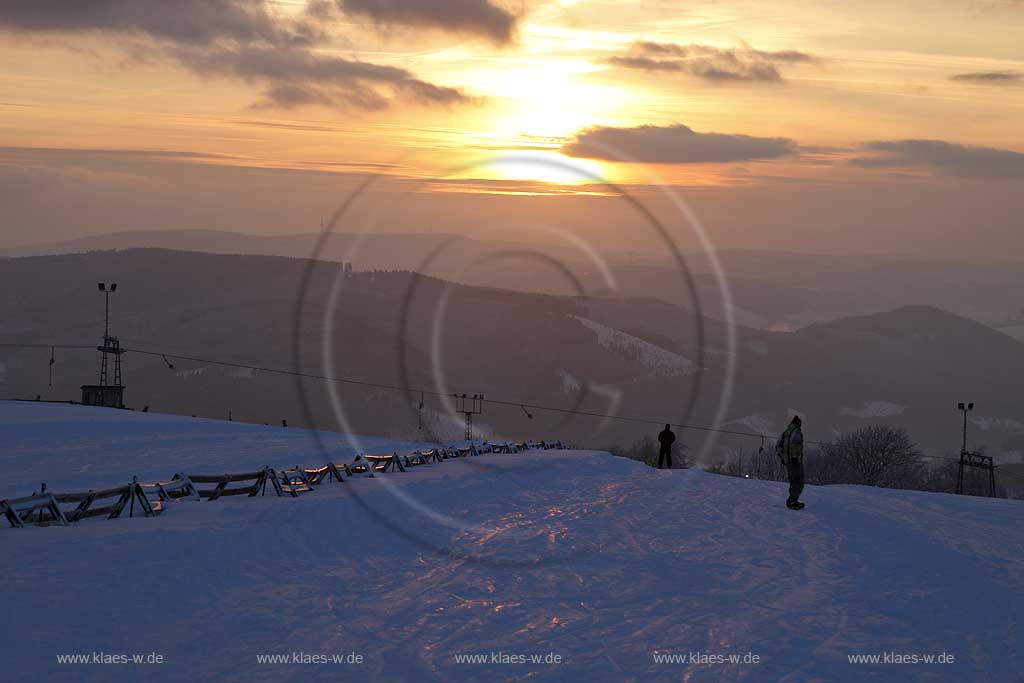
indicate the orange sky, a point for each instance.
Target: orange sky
{"x":781,"y":99}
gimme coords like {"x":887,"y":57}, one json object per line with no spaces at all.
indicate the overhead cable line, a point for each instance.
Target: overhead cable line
{"x":428,"y":392}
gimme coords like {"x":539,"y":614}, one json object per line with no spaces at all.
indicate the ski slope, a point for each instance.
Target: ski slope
{"x":594,"y":560}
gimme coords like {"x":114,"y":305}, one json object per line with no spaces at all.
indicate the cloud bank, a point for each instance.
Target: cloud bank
{"x":991,"y":77}
{"x":240,"y":39}
{"x":475,"y":17}
{"x":944,"y":157}
{"x":720,"y":65}
{"x":675,"y":144}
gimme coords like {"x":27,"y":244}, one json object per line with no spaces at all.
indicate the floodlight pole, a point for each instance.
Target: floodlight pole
{"x":977,"y":460}
{"x":965,"y":408}
{"x":106,"y":313}
{"x":110,"y":345}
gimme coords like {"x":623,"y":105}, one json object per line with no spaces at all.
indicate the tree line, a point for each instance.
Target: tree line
{"x":875,"y":455}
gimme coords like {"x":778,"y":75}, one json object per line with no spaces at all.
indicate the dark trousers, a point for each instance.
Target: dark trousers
{"x":665,"y":456}
{"x":795,"y":470}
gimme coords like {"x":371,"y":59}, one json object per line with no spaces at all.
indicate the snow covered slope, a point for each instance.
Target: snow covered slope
{"x":597,"y":561}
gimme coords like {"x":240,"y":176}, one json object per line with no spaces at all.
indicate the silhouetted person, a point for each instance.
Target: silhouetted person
{"x":790,"y":449}
{"x":666,"y":438}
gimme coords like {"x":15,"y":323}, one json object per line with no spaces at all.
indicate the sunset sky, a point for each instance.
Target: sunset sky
{"x":813,"y":126}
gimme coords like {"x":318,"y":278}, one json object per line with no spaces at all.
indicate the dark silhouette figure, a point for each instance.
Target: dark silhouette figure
{"x":666,"y":438}
{"x":790,"y":449}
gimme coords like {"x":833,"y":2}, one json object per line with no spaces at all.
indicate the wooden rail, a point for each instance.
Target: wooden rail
{"x":45,"y":507}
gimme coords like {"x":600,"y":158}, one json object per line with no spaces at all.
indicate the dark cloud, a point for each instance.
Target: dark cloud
{"x":296,"y":77}
{"x":944,"y":157}
{"x":676,"y":144}
{"x":238,"y":39}
{"x":477,"y":17}
{"x":991,"y":77}
{"x":199,"y":22}
{"x":710,"y":63}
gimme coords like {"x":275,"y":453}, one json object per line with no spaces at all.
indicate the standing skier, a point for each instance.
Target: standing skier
{"x":666,"y":438}
{"x":790,"y":449}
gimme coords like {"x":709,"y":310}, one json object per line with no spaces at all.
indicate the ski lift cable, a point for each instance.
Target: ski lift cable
{"x":427,"y":392}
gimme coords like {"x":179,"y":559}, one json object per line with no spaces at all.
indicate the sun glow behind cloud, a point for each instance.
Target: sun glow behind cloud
{"x":549,"y":167}
{"x":875,"y":72}
{"x":544,"y":98}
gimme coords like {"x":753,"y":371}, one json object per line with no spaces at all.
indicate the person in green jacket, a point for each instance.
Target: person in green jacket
{"x":790,"y":449}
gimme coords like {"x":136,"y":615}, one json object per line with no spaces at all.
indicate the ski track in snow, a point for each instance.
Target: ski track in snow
{"x":598,"y":559}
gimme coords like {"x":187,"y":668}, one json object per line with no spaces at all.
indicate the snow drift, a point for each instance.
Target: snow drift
{"x":553,"y":566}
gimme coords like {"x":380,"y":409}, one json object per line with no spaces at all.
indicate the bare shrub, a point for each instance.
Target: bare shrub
{"x":877,"y":455}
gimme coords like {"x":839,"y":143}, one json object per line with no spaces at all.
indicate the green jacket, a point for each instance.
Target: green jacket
{"x":792,"y":444}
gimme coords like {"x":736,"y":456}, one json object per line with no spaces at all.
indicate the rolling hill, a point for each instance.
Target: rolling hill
{"x":629,"y":356}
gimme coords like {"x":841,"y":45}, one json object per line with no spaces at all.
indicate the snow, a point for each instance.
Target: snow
{"x":597,"y":560}
{"x":190,"y":373}
{"x":569,"y":383}
{"x":652,"y":356}
{"x":78,"y":447}
{"x":875,"y":409}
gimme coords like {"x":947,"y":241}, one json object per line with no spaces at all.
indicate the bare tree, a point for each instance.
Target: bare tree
{"x":877,"y":455}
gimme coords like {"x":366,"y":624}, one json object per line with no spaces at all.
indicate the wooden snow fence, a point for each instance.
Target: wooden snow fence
{"x":329,"y":472}
{"x":463,"y":452}
{"x":45,"y":508}
{"x":18,"y":511}
{"x":256,"y":484}
{"x":434,"y":455}
{"x":423,"y":457}
{"x":366,"y":464}
{"x":297,"y":479}
{"x":415,"y":458}
{"x":125,"y":496}
{"x":49,"y":508}
{"x":161,"y":492}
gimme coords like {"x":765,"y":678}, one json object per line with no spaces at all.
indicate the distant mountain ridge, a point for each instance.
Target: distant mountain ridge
{"x":907,"y":366}
{"x":770,"y":290}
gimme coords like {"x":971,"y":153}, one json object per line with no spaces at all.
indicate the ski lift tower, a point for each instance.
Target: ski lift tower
{"x":469,"y":407}
{"x":105,"y":393}
{"x":974,"y":460}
